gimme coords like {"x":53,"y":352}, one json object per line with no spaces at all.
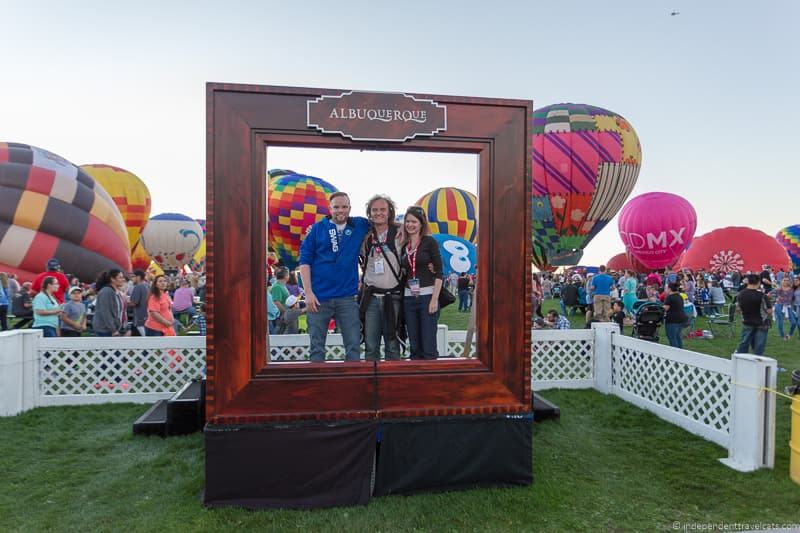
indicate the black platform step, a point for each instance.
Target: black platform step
{"x":186,"y":409}
{"x":153,"y":421}
{"x":544,"y":410}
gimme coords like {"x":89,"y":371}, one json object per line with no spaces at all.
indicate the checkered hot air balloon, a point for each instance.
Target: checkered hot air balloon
{"x":295,"y":202}
{"x":51,"y":208}
{"x":789,"y":238}
{"x":452,"y":211}
{"x":585,"y":164}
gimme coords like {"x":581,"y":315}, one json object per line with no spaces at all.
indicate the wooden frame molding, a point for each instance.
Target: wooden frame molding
{"x":242,"y":387}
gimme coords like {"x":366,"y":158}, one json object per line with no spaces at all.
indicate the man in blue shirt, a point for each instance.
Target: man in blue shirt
{"x":601,"y":289}
{"x":329,"y":271}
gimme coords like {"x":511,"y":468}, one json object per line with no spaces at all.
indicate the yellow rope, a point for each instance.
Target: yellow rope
{"x":773,"y":391}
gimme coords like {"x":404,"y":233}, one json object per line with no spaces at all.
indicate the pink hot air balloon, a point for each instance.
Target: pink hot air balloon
{"x":656,"y":227}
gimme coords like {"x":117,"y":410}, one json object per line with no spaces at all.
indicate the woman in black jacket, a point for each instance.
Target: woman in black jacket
{"x":422,"y":264}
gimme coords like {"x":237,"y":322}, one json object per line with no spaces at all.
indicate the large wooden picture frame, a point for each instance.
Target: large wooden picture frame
{"x":243,"y":387}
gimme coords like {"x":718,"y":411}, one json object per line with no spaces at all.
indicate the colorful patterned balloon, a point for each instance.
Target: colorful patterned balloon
{"x":586,"y":162}
{"x":452,"y":211}
{"x":789,"y":238}
{"x":171,"y":239}
{"x":198,"y":262}
{"x":129,"y":193}
{"x":139,"y":258}
{"x":51,"y":208}
{"x":295,"y":202}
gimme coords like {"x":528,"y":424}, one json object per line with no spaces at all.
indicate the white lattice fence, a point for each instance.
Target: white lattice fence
{"x":455,"y":344}
{"x":117,"y":369}
{"x":562,"y":359}
{"x":688,"y":389}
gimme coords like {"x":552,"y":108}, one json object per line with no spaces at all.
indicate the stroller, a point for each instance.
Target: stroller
{"x":647,"y":319}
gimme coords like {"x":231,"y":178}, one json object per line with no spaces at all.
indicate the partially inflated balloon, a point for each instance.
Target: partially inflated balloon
{"x":295,"y":202}
{"x":458,"y":255}
{"x":625,"y":261}
{"x":452,"y":211}
{"x":586,"y":161}
{"x":51,"y":208}
{"x":734,"y":248}
{"x":171,"y":239}
{"x":129,"y":193}
{"x":789,"y":238}
{"x":657,"y":227}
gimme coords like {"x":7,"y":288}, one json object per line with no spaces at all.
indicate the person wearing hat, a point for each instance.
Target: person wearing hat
{"x":73,"y":319}
{"x":288,"y":322}
{"x":53,"y":270}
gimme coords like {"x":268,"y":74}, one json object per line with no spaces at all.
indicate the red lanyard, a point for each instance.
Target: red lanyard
{"x":412,"y":260}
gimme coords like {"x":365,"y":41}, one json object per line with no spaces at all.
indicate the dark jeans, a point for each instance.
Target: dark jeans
{"x":463,"y":300}
{"x":70,"y":333}
{"x":375,"y":328}
{"x":754,"y":337}
{"x":152,"y":333}
{"x":49,"y":331}
{"x":421,"y":326}
{"x":4,"y":317}
{"x":674,"y":334}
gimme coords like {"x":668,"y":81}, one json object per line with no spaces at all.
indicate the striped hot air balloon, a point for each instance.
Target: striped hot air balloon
{"x":452,"y":211}
{"x":129,"y":193}
{"x":586,"y":162}
{"x":789,"y":238}
{"x":51,"y":208}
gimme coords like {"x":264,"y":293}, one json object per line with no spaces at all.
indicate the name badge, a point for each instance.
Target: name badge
{"x":379,"y":266}
{"x":413,"y":286}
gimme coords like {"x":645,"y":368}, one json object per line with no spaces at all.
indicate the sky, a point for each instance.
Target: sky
{"x":710,"y":91}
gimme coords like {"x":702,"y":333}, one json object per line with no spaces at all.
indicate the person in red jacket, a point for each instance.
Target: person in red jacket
{"x":53,"y":270}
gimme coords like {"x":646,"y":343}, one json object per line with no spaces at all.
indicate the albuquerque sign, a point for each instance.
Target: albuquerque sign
{"x":363,"y":116}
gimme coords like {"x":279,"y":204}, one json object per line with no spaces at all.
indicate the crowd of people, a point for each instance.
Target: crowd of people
{"x":761,"y":299}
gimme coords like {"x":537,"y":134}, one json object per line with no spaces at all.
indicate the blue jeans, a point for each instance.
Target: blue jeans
{"x":674,"y":334}
{"x":463,"y":300}
{"x":421,"y":326}
{"x":152,"y":333}
{"x":779,"y":315}
{"x":345,"y":311}
{"x":49,"y":331}
{"x":375,"y":327}
{"x":754,"y":337}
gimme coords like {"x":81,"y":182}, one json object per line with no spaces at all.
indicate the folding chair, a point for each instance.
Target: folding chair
{"x":727,"y":318}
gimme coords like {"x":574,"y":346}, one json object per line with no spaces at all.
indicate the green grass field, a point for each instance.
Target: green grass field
{"x":606,"y":465}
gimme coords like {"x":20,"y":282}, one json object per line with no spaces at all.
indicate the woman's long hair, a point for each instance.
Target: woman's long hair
{"x":154,"y":290}
{"x":419,"y":213}
{"x":105,"y":277}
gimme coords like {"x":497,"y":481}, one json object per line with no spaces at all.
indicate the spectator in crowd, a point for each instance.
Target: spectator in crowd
{"x":601,"y":291}
{"x":547,"y":287}
{"x":675,"y":317}
{"x":160,"y":321}
{"x":569,"y":297}
{"x":783,"y":297}
{"x":463,"y":292}
{"x":536,"y":296}
{"x":5,"y":301}
{"x":110,"y":309}
{"x":382,"y":290}
{"x":279,"y":294}
{"x":795,"y":306}
{"x":629,"y":290}
{"x":289,"y":320}
{"x":13,"y":287}
{"x":717,"y":297}
{"x":755,"y":307}
{"x":46,"y":309}
{"x":329,"y":272}
{"x":556,"y":321}
{"x":53,"y":270}
{"x":138,"y":301}
{"x":292,"y":286}
{"x":766,"y":279}
{"x":452,"y":283}
{"x":183,"y":301}
{"x":73,"y":319}
{"x":618,"y":315}
{"x":22,"y":306}
{"x":273,"y":313}
{"x":201,"y":320}
{"x":422,"y":263}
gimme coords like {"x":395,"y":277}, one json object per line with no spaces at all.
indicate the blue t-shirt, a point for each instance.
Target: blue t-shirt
{"x":45,"y":303}
{"x":333,"y":257}
{"x":601,"y":285}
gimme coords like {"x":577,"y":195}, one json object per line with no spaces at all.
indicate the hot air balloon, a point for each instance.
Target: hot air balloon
{"x":656,"y":227}
{"x":452,"y":211}
{"x":198,"y":262}
{"x":625,"y":261}
{"x":789,"y":238}
{"x":734,"y":248}
{"x":295,"y":202}
{"x":458,"y":255}
{"x":51,"y":208}
{"x":278,"y":172}
{"x":171,"y":239}
{"x":129,"y":193}
{"x":585,"y":164}
{"x":139,"y":258}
